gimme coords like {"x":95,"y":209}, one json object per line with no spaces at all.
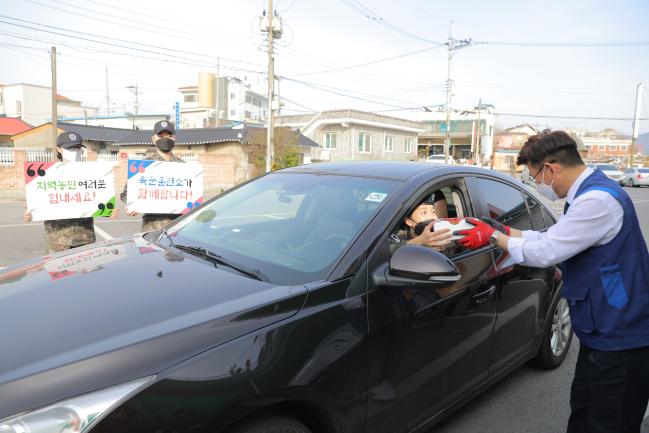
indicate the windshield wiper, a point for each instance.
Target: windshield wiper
{"x":219,"y":260}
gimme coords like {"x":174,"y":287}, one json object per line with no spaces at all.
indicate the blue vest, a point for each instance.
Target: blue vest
{"x":607,"y":286}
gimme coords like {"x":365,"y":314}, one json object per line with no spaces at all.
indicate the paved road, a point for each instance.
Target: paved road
{"x":529,"y":400}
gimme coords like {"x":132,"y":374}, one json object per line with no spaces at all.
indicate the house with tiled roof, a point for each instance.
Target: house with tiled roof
{"x":10,"y":126}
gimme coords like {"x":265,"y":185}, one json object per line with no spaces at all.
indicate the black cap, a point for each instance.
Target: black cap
{"x":164,"y":125}
{"x":67,"y":140}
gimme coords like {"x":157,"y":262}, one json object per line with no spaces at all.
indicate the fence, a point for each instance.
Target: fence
{"x":188,"y":157}
{"x":33,"y":156}
{"x":6,"y":157}
{"x":108,"y":157}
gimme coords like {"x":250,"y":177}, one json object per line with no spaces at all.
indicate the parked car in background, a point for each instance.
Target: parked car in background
{"x":611,"y":172}
{"x":439,"y":159}
{"x":287,"y":304}
{"x":636,"y":177}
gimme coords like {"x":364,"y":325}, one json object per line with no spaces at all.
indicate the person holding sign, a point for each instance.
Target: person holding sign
{"x":63,"y":234}
{"x":164,"y":139}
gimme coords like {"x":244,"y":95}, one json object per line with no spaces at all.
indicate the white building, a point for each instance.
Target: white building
{"x":471,"y":132}
{"x":218,"y":101}
{"x":33,"y":104}
{"x":357,"y":135}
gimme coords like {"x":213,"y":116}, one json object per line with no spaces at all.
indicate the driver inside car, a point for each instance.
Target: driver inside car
{"x":419,"y":226}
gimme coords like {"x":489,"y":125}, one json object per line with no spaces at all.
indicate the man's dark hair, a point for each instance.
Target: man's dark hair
{"x":550,"y":146}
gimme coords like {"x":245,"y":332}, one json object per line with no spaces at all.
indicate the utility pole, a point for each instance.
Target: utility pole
{"x":136,"y":91}
{"x":271,"y":82}
{"x":452,"y":45}
{"x":636,"y":122}
{"x":55,"y":113}
{"x":107,"y":97}
{"x":271,"y":24}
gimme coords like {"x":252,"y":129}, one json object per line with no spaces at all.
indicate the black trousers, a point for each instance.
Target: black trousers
{"x":610,"y":391}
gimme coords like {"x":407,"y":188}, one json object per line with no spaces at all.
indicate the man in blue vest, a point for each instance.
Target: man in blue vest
{"x":605,"y":267}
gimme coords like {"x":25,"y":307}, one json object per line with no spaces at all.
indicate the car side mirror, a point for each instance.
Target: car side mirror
{"x":415,"y":266}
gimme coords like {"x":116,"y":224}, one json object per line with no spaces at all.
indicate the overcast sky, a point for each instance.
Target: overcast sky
{"x":177,"y":39}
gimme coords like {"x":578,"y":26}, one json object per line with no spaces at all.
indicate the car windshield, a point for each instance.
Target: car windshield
{"x":606,"y":167}
{"x":643,"y":170}
{"x":290,"y":227}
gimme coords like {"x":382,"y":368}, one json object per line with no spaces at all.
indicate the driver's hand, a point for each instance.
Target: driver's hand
{"x":438,"y":240}
{"x":130,"y":212}
{"x":27,"y":216}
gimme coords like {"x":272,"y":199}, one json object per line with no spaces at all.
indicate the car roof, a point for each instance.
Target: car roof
{"x":396,"y":170}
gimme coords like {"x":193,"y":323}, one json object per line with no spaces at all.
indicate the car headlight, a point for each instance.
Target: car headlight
{"x":75,"y":415}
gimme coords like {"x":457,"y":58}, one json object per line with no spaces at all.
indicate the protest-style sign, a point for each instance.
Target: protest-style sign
{"x":62,"y":190}
{"x":164,"y":187}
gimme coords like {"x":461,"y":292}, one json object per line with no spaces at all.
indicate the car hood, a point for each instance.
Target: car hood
{"x":99,"y":315}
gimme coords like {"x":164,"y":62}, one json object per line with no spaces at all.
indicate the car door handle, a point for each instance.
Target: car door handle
{"x":480,"y":298}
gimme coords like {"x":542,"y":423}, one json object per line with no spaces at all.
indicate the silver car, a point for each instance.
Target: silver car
{"x":611,"y":172}
{"x":636,"y":177}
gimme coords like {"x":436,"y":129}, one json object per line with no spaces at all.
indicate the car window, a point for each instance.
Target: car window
{"x":606,"y":167}
{"x":290,"y":226}
{"x":457,"y":208}
{"x":505,"y":203}
{"x":541,"y":219}
{"x":628,"y":170}
{"x":643,"y":170}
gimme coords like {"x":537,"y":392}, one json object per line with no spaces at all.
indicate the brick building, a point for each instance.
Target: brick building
{"x":603,"y":145}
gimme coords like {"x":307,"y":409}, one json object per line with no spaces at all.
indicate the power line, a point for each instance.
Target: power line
{"x":564,"y":44}
{"x":367,"y":13}
{"x":159,"y":54}
{"x":113,"y":39}
{"x":178,"y":35}
{"x":373,"y":62}
{"x":175,"y":22}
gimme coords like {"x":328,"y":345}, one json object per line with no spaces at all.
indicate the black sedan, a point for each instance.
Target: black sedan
{"x":281,"y":306}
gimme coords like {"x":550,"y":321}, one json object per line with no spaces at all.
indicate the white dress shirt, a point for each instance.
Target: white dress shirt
{"x":594,"y":218}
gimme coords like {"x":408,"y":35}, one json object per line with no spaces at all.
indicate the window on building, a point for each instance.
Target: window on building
{"x":612,"y":147}
{"x":408,"y":145}
{"x":19,"y":108}
{"x":189,"y":98}
{"x":589,"y":146}
{"x":388,"y":146}
{"x":364,"y":143}
{"x":329,"y":141}
{"x":601,"y":148}
{"x":233,"y":96}
{"x":248,"y":115}
{"x":624,"y":147}
{"x":232,"y":112}
{"x":248,"y":99}
{"x":2,"y":98}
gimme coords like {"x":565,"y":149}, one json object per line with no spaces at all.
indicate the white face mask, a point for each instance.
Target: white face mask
{"x":71,"y":155}
{"x":546,"y":190}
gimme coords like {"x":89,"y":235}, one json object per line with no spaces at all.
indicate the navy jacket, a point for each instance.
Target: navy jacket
{"x":607,"y":286}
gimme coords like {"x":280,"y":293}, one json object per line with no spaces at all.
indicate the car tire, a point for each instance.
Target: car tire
{"x":557,"y":336}
{"x":271,"y":425}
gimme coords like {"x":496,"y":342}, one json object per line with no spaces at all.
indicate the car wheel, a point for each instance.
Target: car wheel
{"x":271,"y":425}
{"x":557,"y":336}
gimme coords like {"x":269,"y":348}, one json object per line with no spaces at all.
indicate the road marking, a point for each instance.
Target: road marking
{"x":36,"y":224}
{"x":276,"y":217}
{"x":102,"y":233}
{"x":639,"y":201}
